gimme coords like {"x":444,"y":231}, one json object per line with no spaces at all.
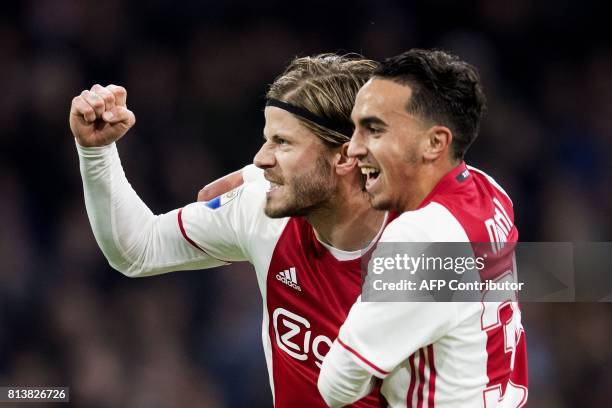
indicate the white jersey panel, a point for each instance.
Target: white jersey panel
{"x":432,"y":223}
{"x":386,"y":333}
{"x":390,"y":339}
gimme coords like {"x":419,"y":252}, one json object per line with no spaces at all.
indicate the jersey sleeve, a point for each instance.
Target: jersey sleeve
{"x":139,"y":243}
{"x":225,"y":227}
{"x":341,"y":381}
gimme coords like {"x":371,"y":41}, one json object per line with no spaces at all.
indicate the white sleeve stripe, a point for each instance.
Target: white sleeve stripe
{"x":182,"y":228}
{"x":363,"y":359}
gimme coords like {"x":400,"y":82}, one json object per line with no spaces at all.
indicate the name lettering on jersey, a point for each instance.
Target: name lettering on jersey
{"x":289,"y":278}
{"x":222,"y":199}
{"x":293,"y":336}
{"x":498,"y":227}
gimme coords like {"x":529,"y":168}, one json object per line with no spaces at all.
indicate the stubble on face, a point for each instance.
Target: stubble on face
{"x":307,"y":192}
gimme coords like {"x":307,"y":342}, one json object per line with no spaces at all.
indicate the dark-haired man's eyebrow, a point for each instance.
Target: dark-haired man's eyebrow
{"x":372,"y":120}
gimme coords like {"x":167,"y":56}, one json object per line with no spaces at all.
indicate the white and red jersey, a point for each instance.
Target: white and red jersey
{"x":437,"y":354}
{"x":307,"y":287}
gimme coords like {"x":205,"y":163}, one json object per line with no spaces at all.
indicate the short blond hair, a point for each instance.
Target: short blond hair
{"x":325,"y":85}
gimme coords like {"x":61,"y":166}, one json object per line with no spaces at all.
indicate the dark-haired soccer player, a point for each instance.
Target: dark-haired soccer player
{"x":414,"y":121}
{"x":303,"y":227}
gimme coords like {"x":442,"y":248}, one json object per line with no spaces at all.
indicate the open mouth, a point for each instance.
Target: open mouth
{"x":371,"y":176}
{"x":273,"y":186}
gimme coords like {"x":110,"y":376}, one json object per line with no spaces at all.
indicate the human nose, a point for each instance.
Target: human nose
{"x":357,"y":147}
{"x":264,"y":158}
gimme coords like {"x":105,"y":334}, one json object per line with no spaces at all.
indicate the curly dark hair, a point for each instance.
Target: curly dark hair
{"x":446,"y":90}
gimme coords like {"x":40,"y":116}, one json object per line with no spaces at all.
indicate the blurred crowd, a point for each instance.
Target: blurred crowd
{"x":196,"y":73}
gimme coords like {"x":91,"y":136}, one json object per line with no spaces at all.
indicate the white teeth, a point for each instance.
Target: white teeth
{"x":369,"y":170}
{"x":274,"y":186}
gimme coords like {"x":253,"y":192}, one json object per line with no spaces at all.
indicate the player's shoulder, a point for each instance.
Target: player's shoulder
{"x":431,"y":223}
{"x":484,"y":177}
{"x":247,"y":199}
{"x":237,"y":216}
{"x":255,"y":185}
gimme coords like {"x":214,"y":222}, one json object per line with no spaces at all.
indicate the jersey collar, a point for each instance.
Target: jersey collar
{"x":455,"y":178}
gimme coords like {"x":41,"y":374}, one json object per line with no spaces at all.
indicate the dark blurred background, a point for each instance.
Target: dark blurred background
{"x":196,"y":73}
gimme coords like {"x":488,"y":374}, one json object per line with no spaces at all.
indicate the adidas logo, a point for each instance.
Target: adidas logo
{"x":289,"y":278}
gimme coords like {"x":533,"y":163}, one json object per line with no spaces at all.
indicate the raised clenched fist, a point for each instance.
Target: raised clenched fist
{"x":100,"y":116}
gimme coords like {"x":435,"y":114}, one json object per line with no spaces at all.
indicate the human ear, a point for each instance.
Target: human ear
{"x":342,"y":162}
{"x":438,"y":141}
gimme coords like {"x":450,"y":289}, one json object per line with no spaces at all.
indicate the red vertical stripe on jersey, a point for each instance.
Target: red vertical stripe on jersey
{"x":432,"y":376}
{"x":412,"y":381}
{"x":421,"y":378}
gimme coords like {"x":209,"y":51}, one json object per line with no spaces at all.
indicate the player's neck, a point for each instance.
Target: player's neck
{"x":427,"y":179}
{"x":350,"y":223}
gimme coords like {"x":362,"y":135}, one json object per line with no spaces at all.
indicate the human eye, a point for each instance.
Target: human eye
{"x":373,"y":130}
{"x":281,"y":141}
